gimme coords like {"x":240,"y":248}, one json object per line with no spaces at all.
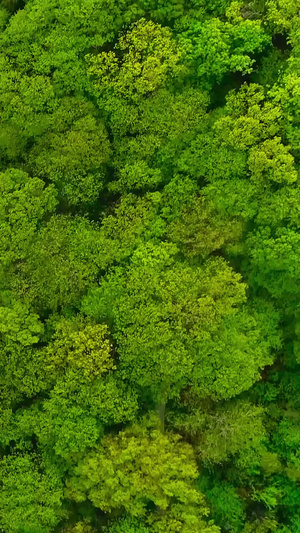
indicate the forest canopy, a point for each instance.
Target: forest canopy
{"x":149,"y":266}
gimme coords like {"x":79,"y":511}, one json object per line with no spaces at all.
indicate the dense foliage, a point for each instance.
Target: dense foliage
{"x":149,"y":266}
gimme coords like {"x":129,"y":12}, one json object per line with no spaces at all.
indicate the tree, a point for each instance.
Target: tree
{"x":79,"y":346}
{"x":21,"y":365}
{"x":175,"y":324}
{"x":135,"y":219}
{"x":149,"y":293}
{"x":81,"y":400}
{"x":282,"y":15}
{"x":73,"y":419}
{"x":213,"y":47}
{"x":245,"y":343}
{"x":148,"y":57}
{"x":147,"y":148}
{"x":128,"y":525}
{"x":24,"y":203}
{"x":62,"y":262}
{"x":74,"y":151}
{"x":232,"y":429}
{"x":160,"y":309}
{"x":273,"y":260}
{"x":200,"y":230}
{"x":62,"y":32}
{"x":30,"y":497}
{"x":140,"y":465}
{"x":25,"y":102}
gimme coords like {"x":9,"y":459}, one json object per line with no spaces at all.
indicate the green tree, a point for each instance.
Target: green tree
{"x":175,"y":324}
{"x":79,"y":346}
{"x":74,"y":151}
{"x":30,"y":497}
{"x":128,"y":525}
{"x":164,"y":124}
{"x":20,"y":363}
{"x":62,"y":32}
{"x":213,"y":47}
{"x":226,"y":506}
{"x":148,"y":57}
{"x":201,"y":230}
{"x":134,"y":220}
{"x":62,"y":263}
{"x":141,"y":465}
{"x":24,"y":202}
{"x":74,"y":417}
{"x":273,"y":260}
{"x":25,"y":102}
{"x":161,"y":310}
{"x":282,"y":15}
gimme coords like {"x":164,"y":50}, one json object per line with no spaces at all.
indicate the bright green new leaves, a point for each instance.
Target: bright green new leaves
{"x":251,"y":173}
{"x":80,"y":346}
{"x":244,"y":167}
{"x":30,"y":498}
{"x":136,"y":467}
{"x":250,"y":118}
{"x":23,"y":203}
{"x":212,"y":48}
{"x":51,"y":36}
{"x":134,"y":220}
{"x":149,"y":57}
{"x":282,"y":15}
{"x":161,"y":310}
{"x":174,"y":323}
{"x":271,"y":161}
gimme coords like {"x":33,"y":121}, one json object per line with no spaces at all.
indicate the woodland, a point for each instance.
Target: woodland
{"x":149,"y":266}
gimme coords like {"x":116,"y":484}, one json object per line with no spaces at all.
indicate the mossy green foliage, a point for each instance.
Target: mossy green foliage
{"x":149,"y":266}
